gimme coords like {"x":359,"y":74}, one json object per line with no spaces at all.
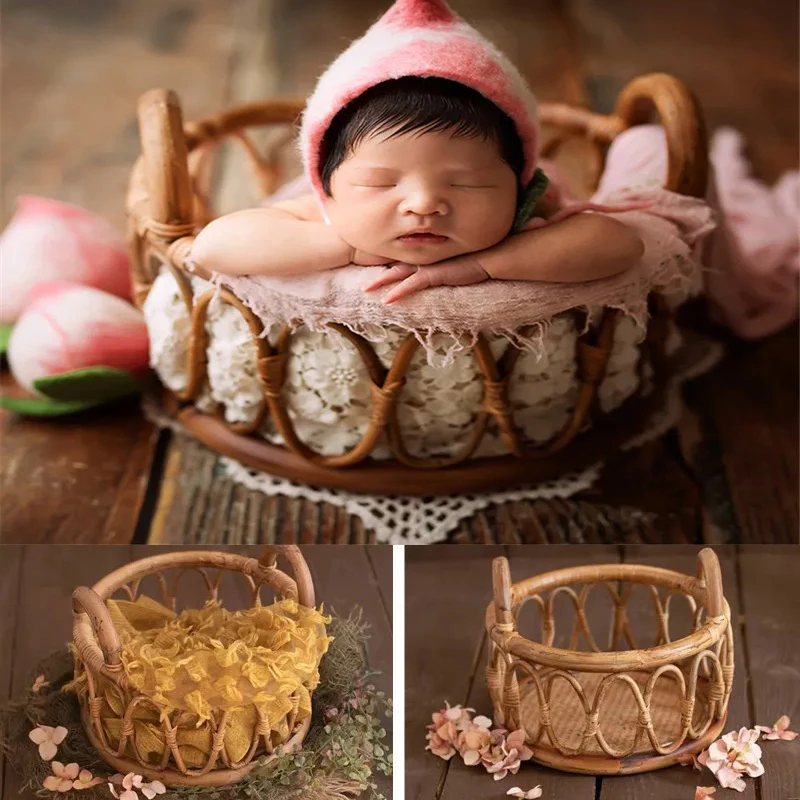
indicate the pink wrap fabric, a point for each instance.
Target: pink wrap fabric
{"x":752,"y":260}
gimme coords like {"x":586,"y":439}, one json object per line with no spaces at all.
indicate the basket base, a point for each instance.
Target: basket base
{"x":172,"y":778}
{"x":619,"y":717}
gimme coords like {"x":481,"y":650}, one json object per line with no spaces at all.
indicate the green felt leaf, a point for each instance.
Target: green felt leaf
{"x":90,"y":384}
{"x":5,"y":335}
{"x":530,"y":197}
{"x":44,"y":406}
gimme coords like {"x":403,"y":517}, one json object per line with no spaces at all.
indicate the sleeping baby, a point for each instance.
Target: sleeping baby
{"x":420,"y":147}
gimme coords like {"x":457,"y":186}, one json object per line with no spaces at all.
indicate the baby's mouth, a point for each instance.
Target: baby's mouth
{"x":422,"y":238}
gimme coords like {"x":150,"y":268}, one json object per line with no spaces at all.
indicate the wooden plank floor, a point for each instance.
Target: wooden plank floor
{"x":109,"y":476}
{"x":447,"y":590}
{"x":36,"y":583}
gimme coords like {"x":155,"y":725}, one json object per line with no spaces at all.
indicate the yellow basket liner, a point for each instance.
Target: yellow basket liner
{"x":192,"y":666}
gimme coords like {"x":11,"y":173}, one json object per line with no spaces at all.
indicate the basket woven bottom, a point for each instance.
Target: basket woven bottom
{"x":619,"y":718}
{"x":171,"y":777}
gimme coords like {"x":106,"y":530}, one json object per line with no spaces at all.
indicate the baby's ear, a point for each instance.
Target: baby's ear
{"x":531,"y":195}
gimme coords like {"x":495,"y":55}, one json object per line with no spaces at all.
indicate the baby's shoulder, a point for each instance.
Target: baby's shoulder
{"x":304,"y":207}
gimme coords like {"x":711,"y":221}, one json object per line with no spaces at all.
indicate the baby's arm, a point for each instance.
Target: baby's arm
{"x":581,"y":248}
{"x":584,"y":247}
{"x":285,"y":239}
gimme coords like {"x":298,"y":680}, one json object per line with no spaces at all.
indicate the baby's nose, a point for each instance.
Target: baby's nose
{"x":424,"y":202}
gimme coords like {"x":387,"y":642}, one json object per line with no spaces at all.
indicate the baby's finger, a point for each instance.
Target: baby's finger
{"x":391,"y":275}
{"x":419,"y":280}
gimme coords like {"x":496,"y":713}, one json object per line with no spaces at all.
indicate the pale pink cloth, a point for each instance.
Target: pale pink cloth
{"x":752,"y":260}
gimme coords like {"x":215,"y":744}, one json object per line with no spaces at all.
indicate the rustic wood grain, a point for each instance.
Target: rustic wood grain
{"x":770,"y":599}
{"x":10,"y":569}
{"x":80,"y":479}
{"x":447,"y":590}
{"x":49,"y":573}
{"x":69,"y":132}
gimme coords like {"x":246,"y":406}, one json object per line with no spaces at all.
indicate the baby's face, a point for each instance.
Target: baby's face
{"x":422,"y":198}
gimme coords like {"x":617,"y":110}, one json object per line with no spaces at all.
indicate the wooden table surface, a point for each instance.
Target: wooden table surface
{"x":36,"y":584}
{"x":72,"y":73}
{"x":448,"y":589}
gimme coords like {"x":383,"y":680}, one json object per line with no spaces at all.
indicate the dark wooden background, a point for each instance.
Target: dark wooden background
{"x":36,"y":584}
{"x":72,"y":71}
{"x":448,"y":589}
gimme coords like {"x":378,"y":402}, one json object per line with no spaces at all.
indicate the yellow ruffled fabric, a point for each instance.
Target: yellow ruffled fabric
{"x":259,"y":662}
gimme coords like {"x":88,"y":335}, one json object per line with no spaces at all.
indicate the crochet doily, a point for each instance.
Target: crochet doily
{"x":427,"y":520}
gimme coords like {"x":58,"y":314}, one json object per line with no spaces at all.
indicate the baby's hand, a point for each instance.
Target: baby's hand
{"x":458,"y":271}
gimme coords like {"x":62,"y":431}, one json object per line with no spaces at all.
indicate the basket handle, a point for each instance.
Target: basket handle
{"x":708,"y":570}
{"x":501,"y":584}
{"x":166,"y":164}
{"x":302,"y":574}
{"x":682,"y":120}
{"x":87,"y":601}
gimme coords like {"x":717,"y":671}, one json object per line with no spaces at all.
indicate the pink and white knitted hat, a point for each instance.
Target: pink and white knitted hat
{"x":423,"y":38}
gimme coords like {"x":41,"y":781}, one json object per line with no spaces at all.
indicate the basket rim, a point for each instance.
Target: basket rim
{"x":514,"y":643}
{"x":186,"y":559}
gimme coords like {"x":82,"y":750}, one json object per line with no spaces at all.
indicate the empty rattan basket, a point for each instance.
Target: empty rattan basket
{"x":107,"y":689}
{"x":614,"y":710}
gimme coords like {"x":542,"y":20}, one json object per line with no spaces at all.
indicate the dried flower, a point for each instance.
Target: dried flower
{"x":153,"y":788}
{"x":704,"y":791}
{"x":128,"y":782}
{"x":512,"y":752}
{"x":531,"y":794}
{"x":86,"y":781}
{"x":133,"y":781}
{"x":62,"y":778}
{"x":39,"y":684}
{"x":48,"y":739}
{"x":734,"y":756}
{"x":780,"y":730}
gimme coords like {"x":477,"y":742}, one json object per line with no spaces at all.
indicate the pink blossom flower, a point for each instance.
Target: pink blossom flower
{"x":86,"y":781}
{"x":62,"y":778}
{"x":508,"y":757}
{"x":48,"y":740}
{"x":150,"y":790}
{"x":133,"y":781}
{"x":128,"y":782}
{"x":531,"y":794}
{"x":732,"y":757}
{"x":52,"y":241}
{"x":780,"y":730}
{"x":68,"y":327}
{"x":39,"y":684}
{"x":443,"y":733}
{"x":474,"y":741}
{"x":704,"y":791}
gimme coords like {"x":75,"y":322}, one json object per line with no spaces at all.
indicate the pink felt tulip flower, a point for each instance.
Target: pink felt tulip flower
{"x":68,"y":327}
{"x":48,"y":240}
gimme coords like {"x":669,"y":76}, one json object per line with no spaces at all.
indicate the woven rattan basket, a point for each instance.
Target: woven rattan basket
{"x":611,"y":711}
{"x":98,"y":657}
{"x":168,"y":204}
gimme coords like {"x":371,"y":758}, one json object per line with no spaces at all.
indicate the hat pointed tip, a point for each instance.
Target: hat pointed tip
{"x":415,"y":13}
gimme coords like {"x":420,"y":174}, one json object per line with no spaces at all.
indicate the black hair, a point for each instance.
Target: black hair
{"x":426,"y":105}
